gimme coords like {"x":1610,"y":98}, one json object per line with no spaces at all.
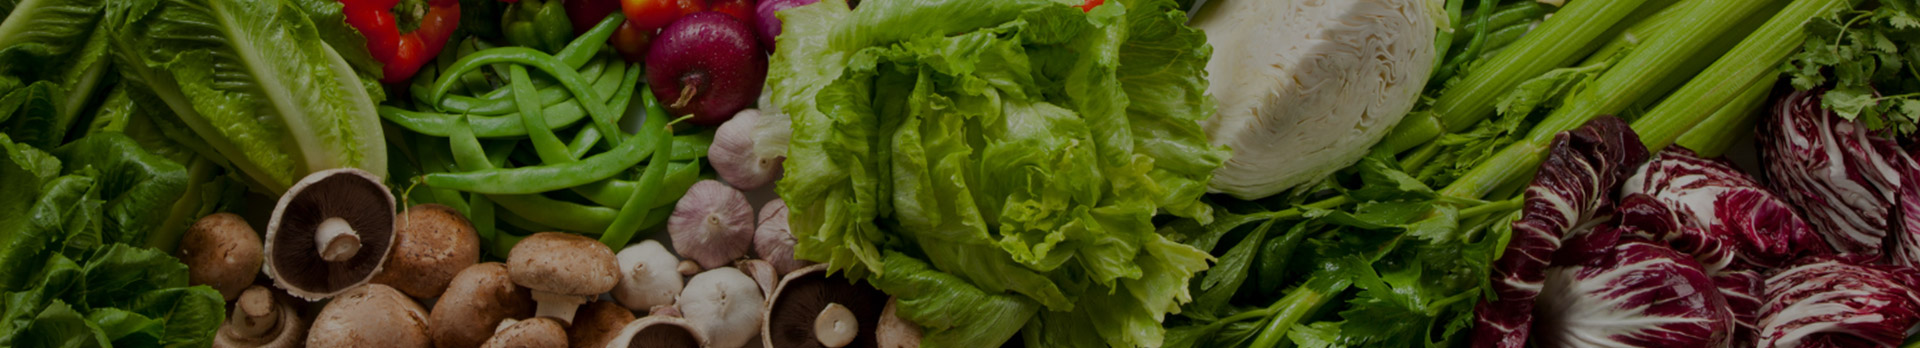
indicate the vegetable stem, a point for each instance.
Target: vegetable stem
{"x":1552,"y":44}
{"x":1627,"y":81}
{"x":1721,"y":130}
{"x":1753,"y":60}
{"x":1295,"y":307}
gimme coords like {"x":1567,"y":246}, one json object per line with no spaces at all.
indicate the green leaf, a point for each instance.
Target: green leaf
{"x":140,"y":187}
{"x":255,"y":79}
{"x":952,"y":312}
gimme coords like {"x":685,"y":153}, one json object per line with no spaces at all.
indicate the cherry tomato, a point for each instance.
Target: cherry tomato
{"x":651,"y":15}
{"x":631,"y":42}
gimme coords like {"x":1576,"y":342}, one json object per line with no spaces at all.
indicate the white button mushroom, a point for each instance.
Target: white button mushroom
{"x":712,"y":224}
{"x":723,"y":304}
{"x":649,"y":276}
{"x":433,"y":242}
{"x":331,"y":232}
{"x":221,"y":251}
{"x":563,"y":270}
{"x":1305,"y":88}
{"x":477,"y":300}
{"x":373,"y":315}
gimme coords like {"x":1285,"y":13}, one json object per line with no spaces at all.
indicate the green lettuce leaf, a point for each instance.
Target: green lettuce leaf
{"x":953,"y":312}
{"x":256,"y":80}
{"x":56,"y":42}
{"x":139,"y":187}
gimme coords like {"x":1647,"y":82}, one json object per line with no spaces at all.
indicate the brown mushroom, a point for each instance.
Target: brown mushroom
{"x":811,"y":309}
{"x":431,"y":244}
{"x":658,"y":331}
{"x":477,"y":300}
{"x":331,"y":232}
{"x":596,"y":323}
{"x":262,"y":319}
{"x":373,"y":315}
{"x":563,"y":270}
{"x":530,"y":333}
{"x":223,"y":252}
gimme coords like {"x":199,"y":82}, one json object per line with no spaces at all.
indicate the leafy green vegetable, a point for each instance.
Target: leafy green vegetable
{"x":1864,"y":58}
{"x":69,"y":280}
{"x":1017,"y":147}
{"x":51,"y":58}
{"x":256,"y":80}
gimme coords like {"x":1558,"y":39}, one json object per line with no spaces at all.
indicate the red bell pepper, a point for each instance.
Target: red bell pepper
{"x":1090,"y":4}
{"x":402,"y":54}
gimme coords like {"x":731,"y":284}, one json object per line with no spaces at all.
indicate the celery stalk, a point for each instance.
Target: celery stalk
{"x":1712,"y":137}
{"x":1754,"y":59}
{"x":1627,"y":81}
{"x":1556,"y":40}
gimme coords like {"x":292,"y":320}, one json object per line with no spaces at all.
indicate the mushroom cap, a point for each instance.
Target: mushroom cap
{"x":530,"y":333}
{"x":475,"y":303}
{"x":563,"y":263}
{"x":772,"y":241}
{"x":725,"y":305}
{"x":896,"y":332}
{"x":712,"y":224}
{"x":656,"y":331}
{"x":597,"y":323}
{"x":649,"y":276}
{"x":373,"y":315}
{"x":223,"y":252}
{"x":801,"y":297}
{"x":354,"y":195}
{"x":432,"y":243}
{"x":287,"y":329}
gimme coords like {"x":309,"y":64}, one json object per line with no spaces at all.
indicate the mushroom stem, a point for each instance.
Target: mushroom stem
{"x":336,"y":240}
{"x":557,"y":306}
{"x":254,"y":314}
{"x":836,"y":326}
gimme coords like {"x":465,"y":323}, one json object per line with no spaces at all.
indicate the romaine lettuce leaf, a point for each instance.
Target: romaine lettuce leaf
{"x":256,"y":80}
{"x":56,"y":42}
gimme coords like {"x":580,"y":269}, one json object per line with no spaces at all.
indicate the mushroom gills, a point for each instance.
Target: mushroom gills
{"x":336,"y":240}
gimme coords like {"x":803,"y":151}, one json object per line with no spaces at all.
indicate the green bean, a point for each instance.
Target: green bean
{"x":592,"y":41}
{"x":602,"y":118}
{"x":637,"y":210}
{"x":563,"y":215}
{"x":545,"y":143}
{"x":614,"y":193}
{"x":584,"y":140}
{"x":499,"y":101}
{"x":466,"y":149}
{"x":691,"y":146}
{"x":482,"y":218}
{"x":545,"y":178}
{"x":558,"y":116}
{"x":433,"y":160}
{"x":519,"y":222}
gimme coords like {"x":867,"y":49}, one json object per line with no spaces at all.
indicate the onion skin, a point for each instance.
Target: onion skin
{"x":708,"y":65}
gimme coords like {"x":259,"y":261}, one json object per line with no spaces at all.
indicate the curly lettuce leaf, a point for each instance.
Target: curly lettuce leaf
{"x":256,"y":80}
{"x":953,"y":312}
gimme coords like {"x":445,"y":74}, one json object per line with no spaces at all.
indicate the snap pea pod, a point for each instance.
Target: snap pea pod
{"x":638,"y":209}
{"x":602,"y":118}
{"x":614,"y":193}
{"x":545,"y":143}
{"x":558,"y":115}
{"x":499,"y":101}
{"x":543,"y":178}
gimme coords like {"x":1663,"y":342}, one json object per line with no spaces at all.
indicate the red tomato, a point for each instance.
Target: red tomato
{"x":651,"y":15}
{"x":631,"y":42}
{"x":742,"y":10}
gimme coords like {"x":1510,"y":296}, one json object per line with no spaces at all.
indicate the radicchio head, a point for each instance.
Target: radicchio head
{"x":1571,"y":190}
{"x":1848,"y":180}
{"x":1611,"y":287}
{"x":1714,"y":198}
{"x":1839,"y":302}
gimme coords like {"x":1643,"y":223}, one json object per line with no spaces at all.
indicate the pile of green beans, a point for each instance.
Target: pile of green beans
{"x":485,"y":135}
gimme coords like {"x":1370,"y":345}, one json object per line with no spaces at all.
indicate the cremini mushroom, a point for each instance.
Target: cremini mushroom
{"x":477,"y":300}
{"x":221,"y":251}
{"x":810,"y":309}
{"x":712,"y":224}
{"x":563,"y":270}
{"x":596,"y":323}
{"x":723,"y":304}
{"x":659,"y":331}
{"x":431,"y":244}
{"x":373,"y":315}
{"x":331,"y":232}
{"x":262,"y":319}
{"x":649,"y":276}
{"x":531,"y":333}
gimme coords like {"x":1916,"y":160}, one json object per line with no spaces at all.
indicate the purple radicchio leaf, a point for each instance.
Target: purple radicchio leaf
{"x":1847,"y":180}
{"x":1759,"y":228}
{"x":1612,"y":287}
{"x":1649,"y":218}
{"x":1571,"y":190}
{"x":1843,"y":301}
